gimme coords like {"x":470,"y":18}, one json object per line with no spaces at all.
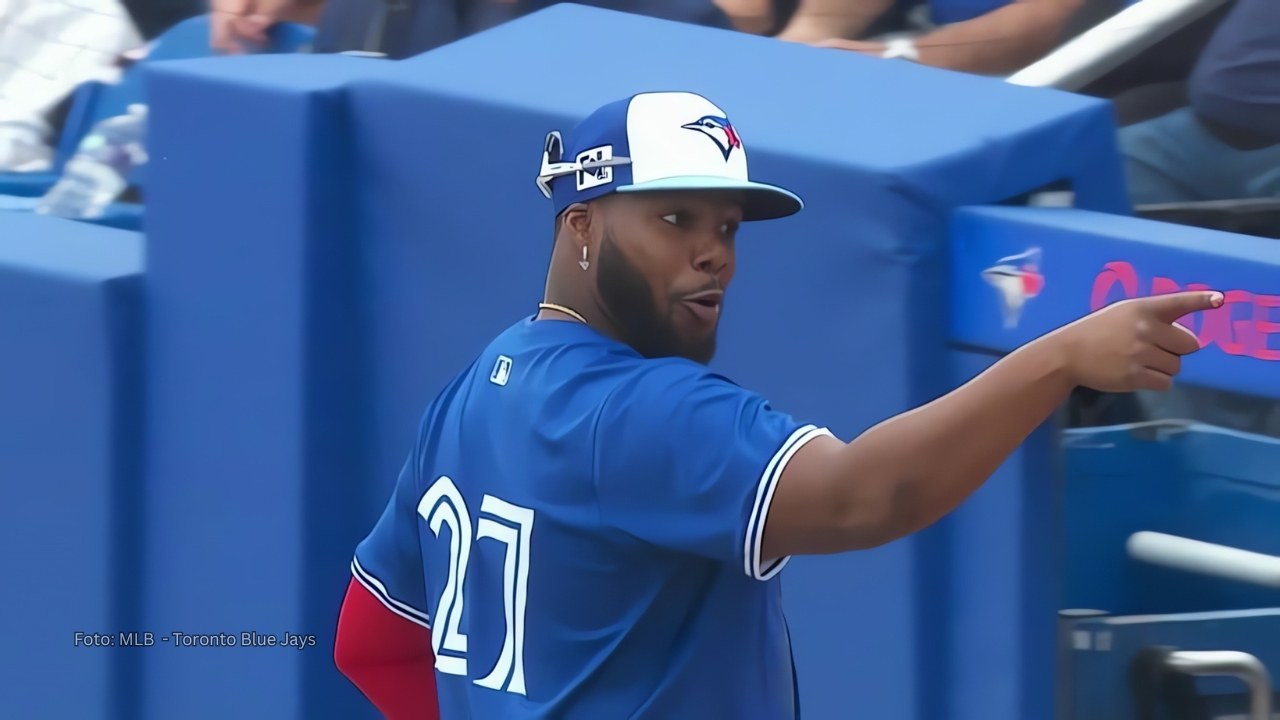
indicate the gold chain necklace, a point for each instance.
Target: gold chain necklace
{"x":562,"y":309}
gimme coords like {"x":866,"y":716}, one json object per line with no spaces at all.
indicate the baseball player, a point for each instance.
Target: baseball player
{"x":592,"y":522}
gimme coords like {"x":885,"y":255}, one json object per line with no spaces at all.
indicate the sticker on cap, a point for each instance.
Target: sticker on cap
{"x":592,"y":174}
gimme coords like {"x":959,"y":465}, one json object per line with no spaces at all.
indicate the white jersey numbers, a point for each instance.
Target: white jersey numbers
{"x":500,"y":521}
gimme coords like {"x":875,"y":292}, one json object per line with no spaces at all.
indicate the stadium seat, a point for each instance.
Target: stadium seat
{"x":95,"y":101}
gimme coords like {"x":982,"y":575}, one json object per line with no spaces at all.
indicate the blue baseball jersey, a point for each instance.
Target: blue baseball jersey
{"x":580,"y":527}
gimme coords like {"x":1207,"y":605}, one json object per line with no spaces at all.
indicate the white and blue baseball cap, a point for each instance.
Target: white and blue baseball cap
{"x":656,"y":141}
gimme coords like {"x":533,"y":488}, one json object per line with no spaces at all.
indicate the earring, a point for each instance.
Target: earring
{"x":583,"y":262}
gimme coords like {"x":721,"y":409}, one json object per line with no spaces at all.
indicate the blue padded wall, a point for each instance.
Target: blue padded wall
{"x":256,"y":443}
{"x":1091,"y":259}
{"x":70,"y":495}
{"x":1000,"y":587}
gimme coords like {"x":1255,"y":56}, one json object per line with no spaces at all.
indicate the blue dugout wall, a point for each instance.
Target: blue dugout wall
{"x":71,"y":496}
{"x":328,"y":239}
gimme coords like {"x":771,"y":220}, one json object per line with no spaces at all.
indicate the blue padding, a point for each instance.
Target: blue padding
{"x":122,"y":216}
{"x":33,"y":184}
{"x":1197,"y":482}
{"x":254,"y":417}
{"x":1001,"y":588}
{"x":70,"y":492}
{"x":1091,"y":259}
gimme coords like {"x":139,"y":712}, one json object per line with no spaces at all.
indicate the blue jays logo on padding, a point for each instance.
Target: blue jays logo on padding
{"x":719,"y":130}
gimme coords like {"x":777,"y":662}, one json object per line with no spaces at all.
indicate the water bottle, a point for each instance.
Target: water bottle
{"x":99,"y":171}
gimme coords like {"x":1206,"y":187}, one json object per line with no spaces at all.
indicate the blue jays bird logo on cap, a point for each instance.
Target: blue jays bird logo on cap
{"x":719,"y":130}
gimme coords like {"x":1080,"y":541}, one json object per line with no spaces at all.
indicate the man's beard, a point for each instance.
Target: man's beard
{"x":628,"y":301}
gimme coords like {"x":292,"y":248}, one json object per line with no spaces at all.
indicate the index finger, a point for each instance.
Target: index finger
{"x":1168,"y":308}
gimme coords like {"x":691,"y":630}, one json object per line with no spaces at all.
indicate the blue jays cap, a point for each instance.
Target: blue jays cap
{"x":655,"y":141}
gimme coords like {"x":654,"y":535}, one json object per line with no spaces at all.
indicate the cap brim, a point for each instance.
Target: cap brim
{"x":762,"y":202}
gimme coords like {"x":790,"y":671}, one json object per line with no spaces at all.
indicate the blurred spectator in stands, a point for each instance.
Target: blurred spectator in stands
{"x":47,"y":48}
{"x":402,"y":28}
{"x":1154,"y":81}
{"x":1224,"y":144}
{"x":239,"y":25}
{"x":988,"y":37}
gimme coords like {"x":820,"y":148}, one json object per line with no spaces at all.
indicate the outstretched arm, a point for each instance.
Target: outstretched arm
{"x":1000,"y":42}
{"x":907,"y":472}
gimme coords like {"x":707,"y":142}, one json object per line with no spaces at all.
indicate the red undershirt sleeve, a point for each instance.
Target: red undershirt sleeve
{"x":386,"y":656}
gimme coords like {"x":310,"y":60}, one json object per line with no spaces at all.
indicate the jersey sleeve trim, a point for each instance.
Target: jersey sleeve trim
{"x":378,"y":590}
{"x":764,"y":497}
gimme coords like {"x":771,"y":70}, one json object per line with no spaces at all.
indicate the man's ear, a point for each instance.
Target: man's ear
{"x":577,"y":221}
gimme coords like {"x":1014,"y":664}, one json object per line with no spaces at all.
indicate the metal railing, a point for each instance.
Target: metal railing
{"x":1232,"y":664}
{"x":1112,"y":42}
{"x":1221,"y":561}
{"x":1205,"y":558}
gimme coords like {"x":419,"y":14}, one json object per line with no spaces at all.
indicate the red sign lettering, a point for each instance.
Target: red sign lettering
{"x":1244,"y":325}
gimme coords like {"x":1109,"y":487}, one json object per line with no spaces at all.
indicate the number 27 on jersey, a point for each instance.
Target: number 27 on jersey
{"x":443,"y":506}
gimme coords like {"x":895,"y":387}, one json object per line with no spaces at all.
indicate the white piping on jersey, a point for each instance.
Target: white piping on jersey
{"x":764,"y":497}
{"x":375,"y":586}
